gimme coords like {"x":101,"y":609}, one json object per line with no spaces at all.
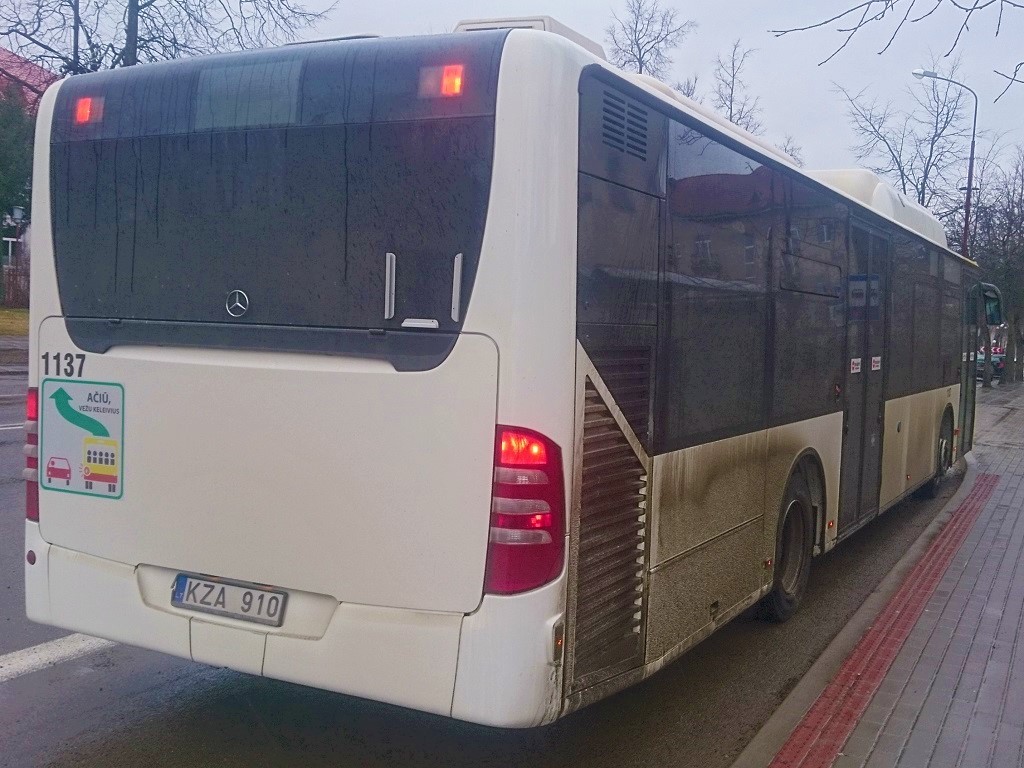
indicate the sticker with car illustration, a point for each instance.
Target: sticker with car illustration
{"x":81,"y":437}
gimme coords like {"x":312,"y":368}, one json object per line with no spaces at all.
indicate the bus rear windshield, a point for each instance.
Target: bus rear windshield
{"x":338,"y":185}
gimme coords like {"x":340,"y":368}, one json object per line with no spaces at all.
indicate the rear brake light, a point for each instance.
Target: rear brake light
{"x":451,"y":80}
{"x":518,"y":448}
{"x":32,"y":455}
{"x":446,"y":80}
{"x":527,"y":541}
{"x":88,"y":109}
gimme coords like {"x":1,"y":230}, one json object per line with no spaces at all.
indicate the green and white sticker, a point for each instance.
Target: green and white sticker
{"x":81,"y":437}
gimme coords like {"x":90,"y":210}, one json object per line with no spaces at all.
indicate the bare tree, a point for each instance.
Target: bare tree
{"x":997,"y":242}
{"x":900,"y":14}
{"x":642,"y":37}
{"x":690,"y":88}
{"x":74,"y":36}
{"x":794,"y":150}
{"x":730,"y":94}
{"x":922,"y":150}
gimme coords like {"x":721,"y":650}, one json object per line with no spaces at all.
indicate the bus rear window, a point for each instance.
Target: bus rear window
{"x":245,"y":95}
{"x":352,"y":81}
{"x":295,"y":175}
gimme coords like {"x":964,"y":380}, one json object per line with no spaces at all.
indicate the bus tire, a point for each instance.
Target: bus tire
{"x":793,"y":550}
{"x":943,"y":458}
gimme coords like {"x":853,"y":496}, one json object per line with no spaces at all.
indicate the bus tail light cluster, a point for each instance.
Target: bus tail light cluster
{"x":527,"y":538}
{"x":31,"y":471}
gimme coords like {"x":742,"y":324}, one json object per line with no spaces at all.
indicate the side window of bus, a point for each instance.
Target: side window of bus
{"x":810,"y":320}
{"x":900,"y":366}
{"x":618,"y":254}
{"x":621,"y":186}
{"x":927,"y":308}
{"x":711,"y":381}
{"x":916,"y":307}
{"x":952,"y":306}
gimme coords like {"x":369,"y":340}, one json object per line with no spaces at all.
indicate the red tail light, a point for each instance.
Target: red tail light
{"x":32,"y":404}
{"x":31,"y":471}
{"x":518,"y":448}
{"x":88,"y":109}
{"x":527,"y":540}
{"x":451,"y":80}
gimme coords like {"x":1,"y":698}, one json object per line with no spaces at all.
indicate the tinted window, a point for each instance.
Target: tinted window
{"x":261,"y":190}
{"x":618,"y":254}
{"x":927,"y":371}
{"x":711,"y":375}
{"x":351,"y":81}
{"x":900,"y":369}
{"x":621,"y":159}
{"x":952,"y":335}
{"x":951,"y":345}
{"x":810,"y":314}
{"x":248,"y":94}
{"x":924,"y":267}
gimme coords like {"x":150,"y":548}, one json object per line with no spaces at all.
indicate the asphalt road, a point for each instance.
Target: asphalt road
{"x":127,"y":707}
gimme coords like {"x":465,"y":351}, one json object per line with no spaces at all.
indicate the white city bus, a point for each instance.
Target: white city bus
{"x":464,"y":372}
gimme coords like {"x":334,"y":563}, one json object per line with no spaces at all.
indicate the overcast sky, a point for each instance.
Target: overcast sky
{"x":795,"y":92}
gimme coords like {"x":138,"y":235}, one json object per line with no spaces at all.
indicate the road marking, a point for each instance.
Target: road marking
{"x":12,"y":426}
{"x":44,"y":655}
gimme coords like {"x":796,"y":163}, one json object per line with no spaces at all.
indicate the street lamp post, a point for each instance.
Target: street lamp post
{"x":920,"y":74}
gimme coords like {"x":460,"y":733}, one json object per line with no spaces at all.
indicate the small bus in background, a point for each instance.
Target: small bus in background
{"x":499,"y":377}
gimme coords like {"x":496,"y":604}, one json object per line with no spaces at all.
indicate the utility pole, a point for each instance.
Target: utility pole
{"x":76,"y":25}
{"x":131,"y":39}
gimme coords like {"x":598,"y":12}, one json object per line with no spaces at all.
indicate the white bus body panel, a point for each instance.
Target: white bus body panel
{"x":378,"y":498}
{"x":321,"y":474}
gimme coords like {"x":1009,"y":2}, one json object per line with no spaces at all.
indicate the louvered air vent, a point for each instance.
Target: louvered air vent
{"x":608,"y":632}
{"x":626,"y":371}
{"x":624,"y":125}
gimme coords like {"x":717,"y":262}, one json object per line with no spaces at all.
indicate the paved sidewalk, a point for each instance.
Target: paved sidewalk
{"x":938,"y":679}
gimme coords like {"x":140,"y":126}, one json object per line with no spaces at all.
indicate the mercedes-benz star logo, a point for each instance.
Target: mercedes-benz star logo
{"x":237,"y":303}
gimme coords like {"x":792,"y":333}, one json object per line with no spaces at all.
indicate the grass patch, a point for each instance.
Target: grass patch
{"x":13,"y":322}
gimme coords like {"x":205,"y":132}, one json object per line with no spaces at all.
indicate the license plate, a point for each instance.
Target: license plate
{"x":228,"y":598}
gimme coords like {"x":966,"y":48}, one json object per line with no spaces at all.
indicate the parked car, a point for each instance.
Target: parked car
{"x":998,"y":364}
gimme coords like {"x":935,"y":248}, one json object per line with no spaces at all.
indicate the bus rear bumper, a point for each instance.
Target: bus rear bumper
{"x":495,"y":666}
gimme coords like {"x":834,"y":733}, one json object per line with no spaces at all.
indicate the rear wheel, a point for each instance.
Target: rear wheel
{"x":943,"y":458}
{"x":792,"y":553}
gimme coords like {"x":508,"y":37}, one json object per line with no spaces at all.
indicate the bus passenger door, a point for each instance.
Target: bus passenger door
{"x":862,"y":423}
{"x":874,"y":374}
{"x":969,"y":369}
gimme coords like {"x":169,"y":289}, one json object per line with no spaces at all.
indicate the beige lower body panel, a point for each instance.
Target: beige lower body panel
{"x":714,"y":518}
{"x":911,"y":435}
{"x":694,"y":591}
{"x":712,"y":527}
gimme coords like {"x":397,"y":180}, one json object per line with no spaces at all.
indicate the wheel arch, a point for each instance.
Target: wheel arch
{"x":952,"y":416}
{"x":809,"y":465}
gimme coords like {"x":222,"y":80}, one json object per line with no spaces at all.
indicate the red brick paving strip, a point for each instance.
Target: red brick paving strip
{"x":818,"y":738}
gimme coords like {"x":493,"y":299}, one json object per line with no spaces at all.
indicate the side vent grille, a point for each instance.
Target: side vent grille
{"x":626,"y":371}
{"x":624,"y":125}
{"x":609,"y":620}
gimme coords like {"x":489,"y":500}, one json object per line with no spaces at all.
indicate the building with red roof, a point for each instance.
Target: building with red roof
{"x":30,"y":77}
